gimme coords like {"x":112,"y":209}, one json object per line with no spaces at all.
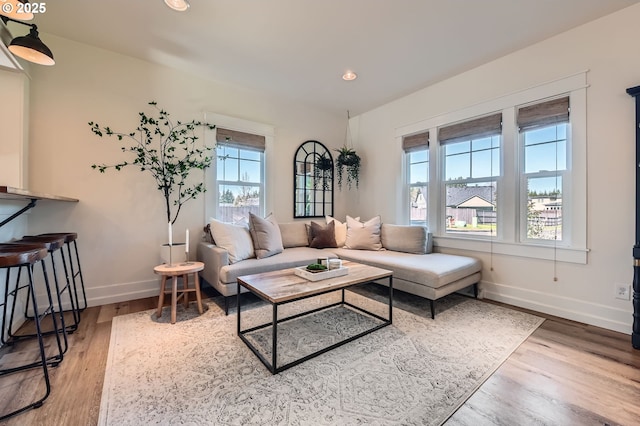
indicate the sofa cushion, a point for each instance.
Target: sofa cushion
{"x":363,"y":236}
{"x":289,"y":258}
{"x":294,"y":234}
{"x":408,"y":239}
{"x":233,"y":238}
{"x":265,"y":234}
{"x":432,"y":270}
{"x":322,"y":236}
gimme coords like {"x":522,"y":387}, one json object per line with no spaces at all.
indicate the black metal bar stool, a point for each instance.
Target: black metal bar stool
{"x":14,"y":256}
{"x":55,"y":245}
{"x":76,"y":270}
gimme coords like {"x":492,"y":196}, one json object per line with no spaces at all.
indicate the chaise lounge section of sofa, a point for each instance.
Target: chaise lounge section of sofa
{"x":405,"y":250}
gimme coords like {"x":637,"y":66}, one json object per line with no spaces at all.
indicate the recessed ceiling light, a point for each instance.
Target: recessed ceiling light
{"x":349,"y":75}
{"x":179,"y":5}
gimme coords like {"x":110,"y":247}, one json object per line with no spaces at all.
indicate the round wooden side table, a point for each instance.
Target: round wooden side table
{"x":179,"y":270}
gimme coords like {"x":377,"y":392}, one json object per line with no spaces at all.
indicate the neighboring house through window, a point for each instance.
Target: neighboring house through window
{"x":543,"y":129}
{"x":416,"y":148}
{"x":471,"y":174}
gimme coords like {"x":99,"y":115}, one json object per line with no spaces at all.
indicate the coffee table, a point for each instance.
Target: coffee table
{"x":283,"y":286}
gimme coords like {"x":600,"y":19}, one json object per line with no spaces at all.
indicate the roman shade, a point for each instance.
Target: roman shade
{"x":240,"y":139}
{"x":489,"y":125}
{"x":415,"y":142}
{"x":543,"y":114}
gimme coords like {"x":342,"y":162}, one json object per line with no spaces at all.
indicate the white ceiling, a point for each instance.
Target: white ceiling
{"x":299,"y":49}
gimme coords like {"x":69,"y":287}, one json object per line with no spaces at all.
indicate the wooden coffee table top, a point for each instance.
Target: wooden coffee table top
{"x":284,"y":286}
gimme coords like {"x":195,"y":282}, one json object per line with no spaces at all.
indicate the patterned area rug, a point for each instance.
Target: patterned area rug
{"x":198,"y":372}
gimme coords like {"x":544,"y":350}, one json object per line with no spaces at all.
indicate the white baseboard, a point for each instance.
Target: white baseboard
{"x":565,"y":307}
{"x":113,"y":293}
{"x":123,"y":292}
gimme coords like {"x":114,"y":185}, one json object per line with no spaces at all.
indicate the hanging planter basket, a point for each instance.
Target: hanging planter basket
{"x":323,"y":172}
{"x":348,"y":166}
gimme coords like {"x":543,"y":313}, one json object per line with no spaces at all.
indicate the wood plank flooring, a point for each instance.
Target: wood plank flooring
{"x":566,"y":373}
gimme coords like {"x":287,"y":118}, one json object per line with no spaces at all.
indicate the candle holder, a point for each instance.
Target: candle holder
{"x":186,"y":256}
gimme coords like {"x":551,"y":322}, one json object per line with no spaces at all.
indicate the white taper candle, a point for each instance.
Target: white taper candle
{"x":187,"y":246}
{"x":170,"y":235}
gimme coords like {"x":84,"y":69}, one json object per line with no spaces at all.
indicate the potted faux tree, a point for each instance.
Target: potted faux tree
{"x":348,"y":162}
{"x":168,"y":151}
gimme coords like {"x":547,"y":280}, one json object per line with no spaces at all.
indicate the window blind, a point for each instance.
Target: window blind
{"x":240,"y":139}
{"x":415,"y":142}
{"x":472,"y":129}
{"x":542,"y":114}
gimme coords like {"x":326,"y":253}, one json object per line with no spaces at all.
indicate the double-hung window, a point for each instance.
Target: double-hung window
{"x":544,"y":134}
{"x":416,"y":148}
{"x":240,"y":175}
{"x":471,"y":152}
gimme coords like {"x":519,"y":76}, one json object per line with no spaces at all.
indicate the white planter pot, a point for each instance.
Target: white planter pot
{"x":178,"y":254}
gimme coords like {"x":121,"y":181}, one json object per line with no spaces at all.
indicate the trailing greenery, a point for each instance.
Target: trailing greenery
{"x":168,"y":151}
{"x":348,"y":161}
{"x":323,"y":171}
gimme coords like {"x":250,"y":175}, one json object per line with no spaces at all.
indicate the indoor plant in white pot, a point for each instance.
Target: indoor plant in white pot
{"x":169,"y":151}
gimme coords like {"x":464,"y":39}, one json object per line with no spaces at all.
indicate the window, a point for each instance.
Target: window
{"x":239,"y":175}
{"x":471,"y":174}
{"x":416,"y":148}
{"x":543,"y":129}
{"x":509,"y":175}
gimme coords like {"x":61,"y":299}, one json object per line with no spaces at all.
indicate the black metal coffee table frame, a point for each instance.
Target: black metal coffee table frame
{"x":272,"y":364}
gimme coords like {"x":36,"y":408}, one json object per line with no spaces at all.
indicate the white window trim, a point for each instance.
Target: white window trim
{"x":508,"y":241}
{"x":210,"y":175}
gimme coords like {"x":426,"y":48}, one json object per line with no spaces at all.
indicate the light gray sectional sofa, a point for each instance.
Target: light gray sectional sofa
{"x":406,"y":250}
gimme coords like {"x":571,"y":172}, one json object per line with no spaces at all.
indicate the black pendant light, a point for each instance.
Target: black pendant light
{"x":30,"y":47}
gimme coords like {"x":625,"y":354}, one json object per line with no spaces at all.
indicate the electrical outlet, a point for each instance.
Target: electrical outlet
{"x":622,"y":291}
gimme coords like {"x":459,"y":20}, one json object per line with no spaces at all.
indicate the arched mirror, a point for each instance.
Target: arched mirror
{"x":313,"y":181}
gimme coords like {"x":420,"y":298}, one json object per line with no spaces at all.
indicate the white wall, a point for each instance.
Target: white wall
{"x":120,"y":218}
{"x":608,"y":49}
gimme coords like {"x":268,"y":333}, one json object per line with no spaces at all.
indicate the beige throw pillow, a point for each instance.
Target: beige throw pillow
{"x":234,"y":239}
{"x":341,"y":230}
{"x":363,"y":236}
{"x":294,"y":234}
{"x":265,"y":234}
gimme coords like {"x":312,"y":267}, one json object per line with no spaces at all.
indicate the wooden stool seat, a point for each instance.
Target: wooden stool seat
{"x":68,"y":236}
{"x":16,"y":255}
{"x":179,"y":270}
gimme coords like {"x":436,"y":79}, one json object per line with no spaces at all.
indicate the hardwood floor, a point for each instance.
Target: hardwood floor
{"x":565,"y":373}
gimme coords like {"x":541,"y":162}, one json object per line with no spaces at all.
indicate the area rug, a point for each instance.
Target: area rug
{"x":417,"y":371}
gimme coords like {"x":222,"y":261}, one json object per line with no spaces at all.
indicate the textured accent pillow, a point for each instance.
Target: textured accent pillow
{"x":265,"y":234}
{"x":408,"y":239}
{"x":234,"y":239}
{"x":363,"y":236}
{"x":341,"y":230}
{"x":322,"y":236}
{"x":294,"y":234}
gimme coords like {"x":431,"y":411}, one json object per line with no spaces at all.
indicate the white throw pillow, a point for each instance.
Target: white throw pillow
{"x":265,"y":234}
{"x":235,"y":239}
{"x":341,"y":230}
{"x":363,"y":236}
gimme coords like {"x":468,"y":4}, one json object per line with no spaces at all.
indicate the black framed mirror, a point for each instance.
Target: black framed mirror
{"x":312,"y":181}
